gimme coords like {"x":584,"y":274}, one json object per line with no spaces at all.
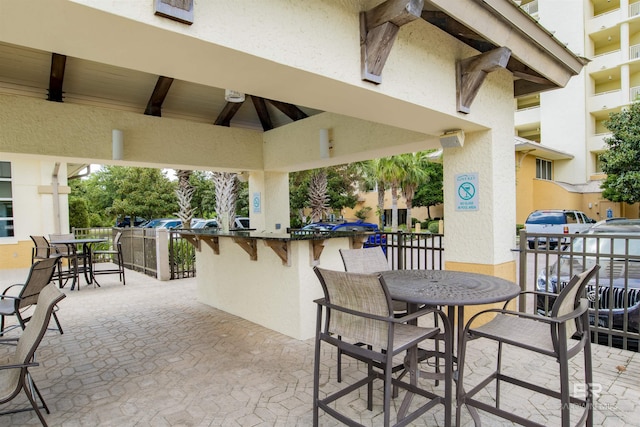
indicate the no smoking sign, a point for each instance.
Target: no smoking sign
{"x":467,"y":191}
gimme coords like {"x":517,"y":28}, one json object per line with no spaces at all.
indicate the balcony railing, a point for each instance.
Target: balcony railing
{"x":634,"y":51}
{"x":634,"y":94}
{"x":634,"y":9}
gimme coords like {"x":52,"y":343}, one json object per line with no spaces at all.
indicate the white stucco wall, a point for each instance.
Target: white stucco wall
{"x":265,"y":291}
{"x":33,"y":207}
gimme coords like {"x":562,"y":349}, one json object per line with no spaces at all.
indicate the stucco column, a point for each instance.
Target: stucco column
{"x":269,"y":201}
{"x":479,"y":200}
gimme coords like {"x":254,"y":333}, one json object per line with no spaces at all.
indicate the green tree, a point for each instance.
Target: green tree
{"x":204,"y":196}
{"x":430,"y":193}
{"x":78,"y":213}
{"x":415,"y":175}
{"x":117,"y":191}
{"x":392,"y":171}
{"x":340,"y":189}
{"x":369,"y":179}
{"x":621,"y":162}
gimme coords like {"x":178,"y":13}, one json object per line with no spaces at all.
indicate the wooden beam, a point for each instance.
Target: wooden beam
{"x":281,"y":248}
{"x":317,"y":246}
{"x":263,"y":114}
{"x":471,"y":72}
{"x":378,"y":30}
{"x":56,"y":77}
{"x":293,"y":112}
{"x":154,"y":106}
{"x":230,"y":109}
{"x":249,"y":245}
{"x":524,"y":87}
{"x":212,"y":242}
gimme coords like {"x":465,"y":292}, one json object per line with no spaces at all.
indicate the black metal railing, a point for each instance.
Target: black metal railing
{"x":182,"y":257}
{"x":614,"y":295}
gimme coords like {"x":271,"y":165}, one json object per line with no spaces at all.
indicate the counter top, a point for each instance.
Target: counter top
{"x":291,"y":235}
{"x":278,"y":242}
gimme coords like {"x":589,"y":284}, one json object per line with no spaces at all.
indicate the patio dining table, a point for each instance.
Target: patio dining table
{"x":454,"y":289}
{"x":87,"y":244}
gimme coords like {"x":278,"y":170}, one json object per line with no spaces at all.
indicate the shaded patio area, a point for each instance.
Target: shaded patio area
{"x":149,"y":353}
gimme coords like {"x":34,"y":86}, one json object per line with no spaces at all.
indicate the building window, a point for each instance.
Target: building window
{"x":598,"y":165}
{"x":543,"y":169}
{"x":6,"y":201}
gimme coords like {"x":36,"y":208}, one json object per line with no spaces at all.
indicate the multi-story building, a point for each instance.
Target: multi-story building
{"x":560,"y":134}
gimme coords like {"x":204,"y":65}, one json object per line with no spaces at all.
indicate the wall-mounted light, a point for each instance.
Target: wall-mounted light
{"x":117,"y":144}
{"x":452,"y":139}
{"x":325,"y":144}
{"x":233,"y":96}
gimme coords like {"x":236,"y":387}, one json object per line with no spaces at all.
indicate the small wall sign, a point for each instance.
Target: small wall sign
{"x":467,"y":191}
{"x":256,"y":202}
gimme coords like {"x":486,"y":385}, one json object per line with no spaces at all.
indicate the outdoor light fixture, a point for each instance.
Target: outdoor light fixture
{"x":452,"y":139}
{"x":325,"y":144}
{"x":117,"y":144}
{"x":233,"y":96}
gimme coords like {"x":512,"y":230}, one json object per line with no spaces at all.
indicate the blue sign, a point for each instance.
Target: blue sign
{"x":467,"y":191}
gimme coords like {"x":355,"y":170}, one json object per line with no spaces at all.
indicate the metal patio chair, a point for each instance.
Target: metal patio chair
{"x":358,"y":308}
{"x":373,"y":260}
{"x":560,"y":336}
{"x":17,"y":299}
{"x":76,"y":259}
{"x":115,"y":253}
{"x":14,"y":375}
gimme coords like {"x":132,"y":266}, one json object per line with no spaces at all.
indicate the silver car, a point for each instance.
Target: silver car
{"x":615,"y":295}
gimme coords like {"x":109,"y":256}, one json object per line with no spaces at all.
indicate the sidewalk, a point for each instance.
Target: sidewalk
{"x":149,"y":354}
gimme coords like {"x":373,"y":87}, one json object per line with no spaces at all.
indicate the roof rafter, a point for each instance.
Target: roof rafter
{"x":56,"y":77}
{"x":154,"y":106}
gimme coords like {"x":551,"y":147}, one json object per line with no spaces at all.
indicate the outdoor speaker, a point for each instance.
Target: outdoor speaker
{"x":452,"y":139}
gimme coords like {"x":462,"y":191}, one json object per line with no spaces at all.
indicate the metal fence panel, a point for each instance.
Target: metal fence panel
{"x":614,"y":295}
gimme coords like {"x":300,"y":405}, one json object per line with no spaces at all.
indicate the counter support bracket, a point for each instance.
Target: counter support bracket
{"x":249,"y":245}
{"x":212,"y":242}
{"x":281,"y":248}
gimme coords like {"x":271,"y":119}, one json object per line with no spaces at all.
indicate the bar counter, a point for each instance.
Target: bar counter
{"x":267,"y":278}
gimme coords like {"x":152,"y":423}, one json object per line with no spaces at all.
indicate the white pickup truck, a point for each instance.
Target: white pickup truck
{"x":555,"y":221}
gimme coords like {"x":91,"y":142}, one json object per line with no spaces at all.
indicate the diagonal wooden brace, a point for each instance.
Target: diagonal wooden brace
{"x":471,"y":72}
{"x":378,"y":30}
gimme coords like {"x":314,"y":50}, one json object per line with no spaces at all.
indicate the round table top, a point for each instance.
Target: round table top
{"x":79,"y":241}
{"x":441,"y":287}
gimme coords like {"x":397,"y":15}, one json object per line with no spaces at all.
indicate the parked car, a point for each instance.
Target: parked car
{"x":373,"y":240}
{"x":205,"y":224}
{"x":163,"y":223}
{"x":555,"y":221}
{"x":618,"y":282}
{"x":126,"y":221}
{"x":241,"y":222}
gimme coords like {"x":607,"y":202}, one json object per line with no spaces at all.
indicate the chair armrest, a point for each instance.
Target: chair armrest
{"x":8,"y":340}
{"x":15,"y":298}
{"x":19,"y":366}
{"x":9,"y":287}
{"x":324,"y":303}
{"x":544,"y":294}
{"x":544,"y":319}
{"x":413,"y":316}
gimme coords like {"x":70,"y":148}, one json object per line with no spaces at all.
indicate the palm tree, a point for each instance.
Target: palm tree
{"x":318,"y":196}
{"x":184,"y":192}
{"x":415,"y":175}
{"x":226,"y":184}
{"x":392,"y":171}
{"x":369,"y":178}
